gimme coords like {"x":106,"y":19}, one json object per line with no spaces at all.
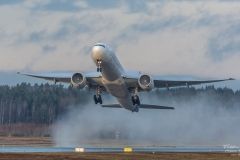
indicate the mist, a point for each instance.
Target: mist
{"x":195,"y":121}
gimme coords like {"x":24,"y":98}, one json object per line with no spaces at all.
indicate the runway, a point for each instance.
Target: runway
{"x":158,"y":149}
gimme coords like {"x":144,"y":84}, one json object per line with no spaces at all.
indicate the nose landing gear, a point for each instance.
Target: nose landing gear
{"x":99,"y":62}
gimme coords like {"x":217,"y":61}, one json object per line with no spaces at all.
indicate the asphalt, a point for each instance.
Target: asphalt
{"x":159,"y":149}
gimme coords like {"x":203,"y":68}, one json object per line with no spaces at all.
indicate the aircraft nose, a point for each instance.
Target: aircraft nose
{"x":98,"y":52}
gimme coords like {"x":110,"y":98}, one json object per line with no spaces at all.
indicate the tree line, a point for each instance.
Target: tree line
{"x":45,"y":103}
{"x":40,"y":104}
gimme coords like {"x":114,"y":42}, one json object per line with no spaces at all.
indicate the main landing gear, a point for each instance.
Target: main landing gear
{"x":99,"y":62}
{"x":135,"y":98}
{"x":97,"y":98}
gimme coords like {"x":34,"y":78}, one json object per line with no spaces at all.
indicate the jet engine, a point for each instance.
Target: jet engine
{"x":78,"y":80}
{"x":146,"y":82}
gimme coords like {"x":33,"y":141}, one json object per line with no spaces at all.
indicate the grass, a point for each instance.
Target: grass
{"x":132,"y":156}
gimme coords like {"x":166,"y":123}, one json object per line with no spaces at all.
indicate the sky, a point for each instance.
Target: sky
{"x":177,"y":38}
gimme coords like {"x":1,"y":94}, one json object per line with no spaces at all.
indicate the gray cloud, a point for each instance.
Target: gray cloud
{"x":73,"y":27}
{"x":37,"y":36}
{"x":61,"y":34}
{"x":127,"y":35}
{"x":159,"y":24}
{"x":56,"y":5}
{"x":225,"y":43}
{"x":132,"y":33}
{"x":218,"y":51}
{"x":103,"y":4}
{"x":48,"y":48}
{"x":214,"y":32}
{"x":2,"y":34}
{"x":86,"y":50}
{"x":208,"y":20}
{"x":70,"y":6}
{"x":134,"y":6}
{"x":10,"y":2}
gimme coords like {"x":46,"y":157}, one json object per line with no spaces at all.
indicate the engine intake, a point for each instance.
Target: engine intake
{"x":78,"y":80}
{"x":146,"y":82}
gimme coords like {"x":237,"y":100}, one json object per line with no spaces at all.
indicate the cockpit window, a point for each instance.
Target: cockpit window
{"x":100,"y":45}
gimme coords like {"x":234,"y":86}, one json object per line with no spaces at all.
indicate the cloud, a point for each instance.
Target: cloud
{"x":133,"y":6}
{"x":73,"y":27}
{"x":37,"y":36}
{"x":159,"y":24}
{"x":225,"y":42}
{"x":10,"y":2}
{"x":136,"y":6}
{"x":218,"y":51}
{"x":60,"y":6}
{"x":103,"y":4}
{"x":75,"y":5}
{"x":177,"y":37}
{"x":48,"y":48}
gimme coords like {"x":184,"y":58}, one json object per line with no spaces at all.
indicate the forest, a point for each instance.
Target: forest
{"x":42,"y":105}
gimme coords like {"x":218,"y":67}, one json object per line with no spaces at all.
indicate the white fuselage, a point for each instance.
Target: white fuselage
{"x":112,"y":75}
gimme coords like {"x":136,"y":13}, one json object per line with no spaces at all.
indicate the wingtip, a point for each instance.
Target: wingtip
{"x":231,"y":79}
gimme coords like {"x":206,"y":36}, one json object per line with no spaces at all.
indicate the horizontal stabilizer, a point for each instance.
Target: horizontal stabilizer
{"x":147,"y":106}
{"x":111,"y":105}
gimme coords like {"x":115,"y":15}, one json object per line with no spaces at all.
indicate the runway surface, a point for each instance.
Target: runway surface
{"x":159,"y":149}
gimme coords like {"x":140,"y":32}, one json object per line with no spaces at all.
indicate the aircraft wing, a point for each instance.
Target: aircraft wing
{"x":147,"y":106}
{"x":56,"y":77}
{"x":132,"y":81}
{"x":174,"y":83}
{"x":94,"y":79}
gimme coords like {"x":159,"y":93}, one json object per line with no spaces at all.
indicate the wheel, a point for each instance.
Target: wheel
{"x":138,"y":101}
{"x":100,"y":69}
{"x":133,"y":100}
{"x":100,"y":102}
{"x":95,"y":99}
{"x":97,"y":69}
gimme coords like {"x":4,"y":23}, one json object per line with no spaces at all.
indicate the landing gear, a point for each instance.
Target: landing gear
{"x":99,"y":69}
{"x":97,"y":98}
{"x":99,"y":62}
{"x":135,"y":98}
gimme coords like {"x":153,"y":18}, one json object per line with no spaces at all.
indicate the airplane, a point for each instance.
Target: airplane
{"x":112,"y":78}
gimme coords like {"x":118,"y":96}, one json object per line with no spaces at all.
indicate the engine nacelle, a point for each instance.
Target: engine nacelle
{"x":146,"y":82}
{"x":78,"y":80}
